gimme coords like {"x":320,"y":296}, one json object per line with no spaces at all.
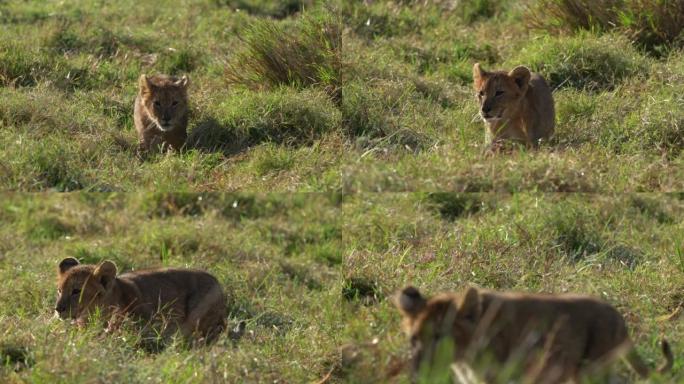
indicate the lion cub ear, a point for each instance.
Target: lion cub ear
{"x":183,"y":81}
{"x":67,"y":264}
{"x":144,"y":83}
{"x":410,"y":302}
{"x":521,"y":75}
{"x":469,"y":308}
{"x":105,"y":273}
{"x":479,"y":75}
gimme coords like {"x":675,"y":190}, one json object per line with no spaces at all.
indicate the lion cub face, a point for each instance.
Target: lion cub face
{"x":165,"y":99}
{"x":82,"y":288}
{"x":499,"y":94}
{"x":444,"y":318}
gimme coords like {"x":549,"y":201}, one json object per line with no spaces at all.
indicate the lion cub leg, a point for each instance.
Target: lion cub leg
{"x":556,"y":366}
{"x":156,"y":332}
{"x":636,"y":362}
{"x":560,"y":357}
{"x":115,"y":321}
{"x":206,"y":316}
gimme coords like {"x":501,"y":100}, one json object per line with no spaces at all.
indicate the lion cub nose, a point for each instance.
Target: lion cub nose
{"x":486,"y":109}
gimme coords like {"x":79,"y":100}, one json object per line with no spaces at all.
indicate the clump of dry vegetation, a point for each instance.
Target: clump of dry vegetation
{"x":652,"y":24}
{"x":303,"y":54}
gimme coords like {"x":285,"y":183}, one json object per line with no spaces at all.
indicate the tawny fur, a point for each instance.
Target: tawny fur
{"x":166,"y":300}
{"x":161,"y":112}
{"x":553,"y":338}
{"x":515,"y":106}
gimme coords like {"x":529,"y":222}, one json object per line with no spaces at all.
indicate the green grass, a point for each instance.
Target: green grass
{"x":622,"y":248}
{"x":653,"y":24}
{"x":305,"y":54}
{"x":347,"y":96}
{"x":276,"y":9}
{"x":68,"y":81}
{"x":278,"y":258}
{"x":301,"y":112}
{"x":410,"y":112}
{"x":312,"y":274}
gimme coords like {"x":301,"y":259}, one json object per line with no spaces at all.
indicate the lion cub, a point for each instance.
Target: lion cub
{"x":515,"y":106}
{"x":161,"y":112}
{"x":189,"y":301}
{"x":551,"y":338}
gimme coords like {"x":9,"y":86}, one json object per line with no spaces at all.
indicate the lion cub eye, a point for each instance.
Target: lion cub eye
{"x":76,"y":291}
{"x":480,"y":94}
{"x":414,"y":340}
{"x":157,"y":103}
{"x":499,"y":93}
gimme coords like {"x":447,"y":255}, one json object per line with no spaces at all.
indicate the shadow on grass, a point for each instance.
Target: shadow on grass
{"x":452,"y":206}
{"x":362,"y":290}
{"x":241,"y":313}
{"x":16,"y":357}
{"x":274,"y":9}
{"x":211,"y":136}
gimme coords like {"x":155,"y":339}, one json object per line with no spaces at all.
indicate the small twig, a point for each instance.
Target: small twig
{"x":328,"y":375}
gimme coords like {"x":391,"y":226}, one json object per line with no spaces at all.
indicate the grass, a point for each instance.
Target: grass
{"x":609,"y":246}
{"x":653,"y":24}
{"x":312,"y":274}
{"x":334,"y":156}
{"x":347,"y":96}
{"x":283,"y":116}
{"x":308,"y":55}
{"x":585,"y":62}
{"x":410,"y":113}
{"x":277,"y":257}
{"x":68,"y":74}
{"x":275,"y":9}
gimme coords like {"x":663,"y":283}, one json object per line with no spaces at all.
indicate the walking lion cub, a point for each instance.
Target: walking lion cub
{"x":161,"y":112}
{"x":549,"y":338}
{"x":168,"y":299}
{"x":515,"y":106}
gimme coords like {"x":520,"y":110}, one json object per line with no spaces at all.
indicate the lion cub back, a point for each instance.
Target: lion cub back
{"x":169,"y":285}
{"x":552,"y":338}
{"x":194,"y":296}
{"x":544,"y":110}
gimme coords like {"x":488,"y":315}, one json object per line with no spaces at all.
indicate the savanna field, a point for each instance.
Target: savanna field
{"x":334,"y":156}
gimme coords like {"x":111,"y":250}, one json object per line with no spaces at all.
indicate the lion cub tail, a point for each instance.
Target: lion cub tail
{"x":669,"y":358}
{"x":640,"y":366}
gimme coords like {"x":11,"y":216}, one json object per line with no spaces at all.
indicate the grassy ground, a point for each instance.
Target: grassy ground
{"x":626,"y":249}
{"x":68,"y":79}
{"x":410,"y":105}
{"x":312,"y":274}
{"x":344,"y":100}
{"x":278,"y":258}
{"x":366,"y":96}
